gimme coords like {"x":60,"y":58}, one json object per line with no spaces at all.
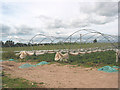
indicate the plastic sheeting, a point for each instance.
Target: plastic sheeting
{"x":11,"y":59}
{"x":1,"y":60}
{"x":116,"y":67}
{"x":107,"y":69}
{"x":27,"y":65}
{"x":7,"y":60}
{"x":42,"y":63}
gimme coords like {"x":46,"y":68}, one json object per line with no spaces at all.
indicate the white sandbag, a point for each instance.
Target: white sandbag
{"x":58,"y":56}
{"x":29,"y":54}
{"x":99,"y":50}
{"x":74,"y":54}
{"x":65,"y":57}
{"x":89,"y":52}
{"x":117,"y":55}
{"x":17,"y":54}
{"x":82,"y":52}
{"x":40,"y":53}
{"x":50,"y":52}
{"x":61,"y":57}
{"x":94,"y":51}
{"x":23,"y":54}
{"x":108,"y":49}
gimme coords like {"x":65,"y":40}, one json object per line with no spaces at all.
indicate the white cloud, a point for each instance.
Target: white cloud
{"x":100,"y":12}
{"x":61,"y":18}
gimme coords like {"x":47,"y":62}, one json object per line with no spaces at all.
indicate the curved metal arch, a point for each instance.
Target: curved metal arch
{"x":57,"y":38}
{"x":88,"y":30}
{"x":98,"y":37}
{"x":53,"y":38}
{"x":110,"y":36}
{"x":31,"y":40}
{"x":87,"y":38}
{"x":38,"y":35}
{"x":91,"y":31}
{"x":49,"y":37}
{"x":84,"y":35}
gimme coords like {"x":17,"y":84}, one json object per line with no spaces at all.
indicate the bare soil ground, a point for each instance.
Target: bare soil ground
{"x":63,"y":76}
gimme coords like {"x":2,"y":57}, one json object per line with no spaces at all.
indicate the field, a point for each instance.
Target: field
{"x":79,"y":71}
{"x":55,"y":75}
{"x":59,"y":46}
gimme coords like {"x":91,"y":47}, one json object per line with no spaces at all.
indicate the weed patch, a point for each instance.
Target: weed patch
{"x":9,"y":82}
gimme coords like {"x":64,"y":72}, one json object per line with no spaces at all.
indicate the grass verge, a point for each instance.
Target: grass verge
{"x":8,"y":82}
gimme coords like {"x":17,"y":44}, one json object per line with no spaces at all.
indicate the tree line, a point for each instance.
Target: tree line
{"x":10,"y":43}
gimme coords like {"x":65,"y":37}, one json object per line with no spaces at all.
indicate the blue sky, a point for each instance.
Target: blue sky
{"x":24,"y":19}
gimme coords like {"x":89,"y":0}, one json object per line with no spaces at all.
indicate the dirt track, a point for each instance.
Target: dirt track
{"x":67,"y":76}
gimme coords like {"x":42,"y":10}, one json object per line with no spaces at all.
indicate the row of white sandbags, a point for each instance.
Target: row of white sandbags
{"x":64,"y":57}
{"x":23,"y":54}
{"x":87,"y":52}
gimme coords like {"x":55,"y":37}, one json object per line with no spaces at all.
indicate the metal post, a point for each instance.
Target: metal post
{"x":80,"y":38}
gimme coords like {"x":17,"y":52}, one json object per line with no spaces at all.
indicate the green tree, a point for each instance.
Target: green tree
{"x":1,"y":44}
{"x":9,"y":43}
{"x":95,"y":41}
